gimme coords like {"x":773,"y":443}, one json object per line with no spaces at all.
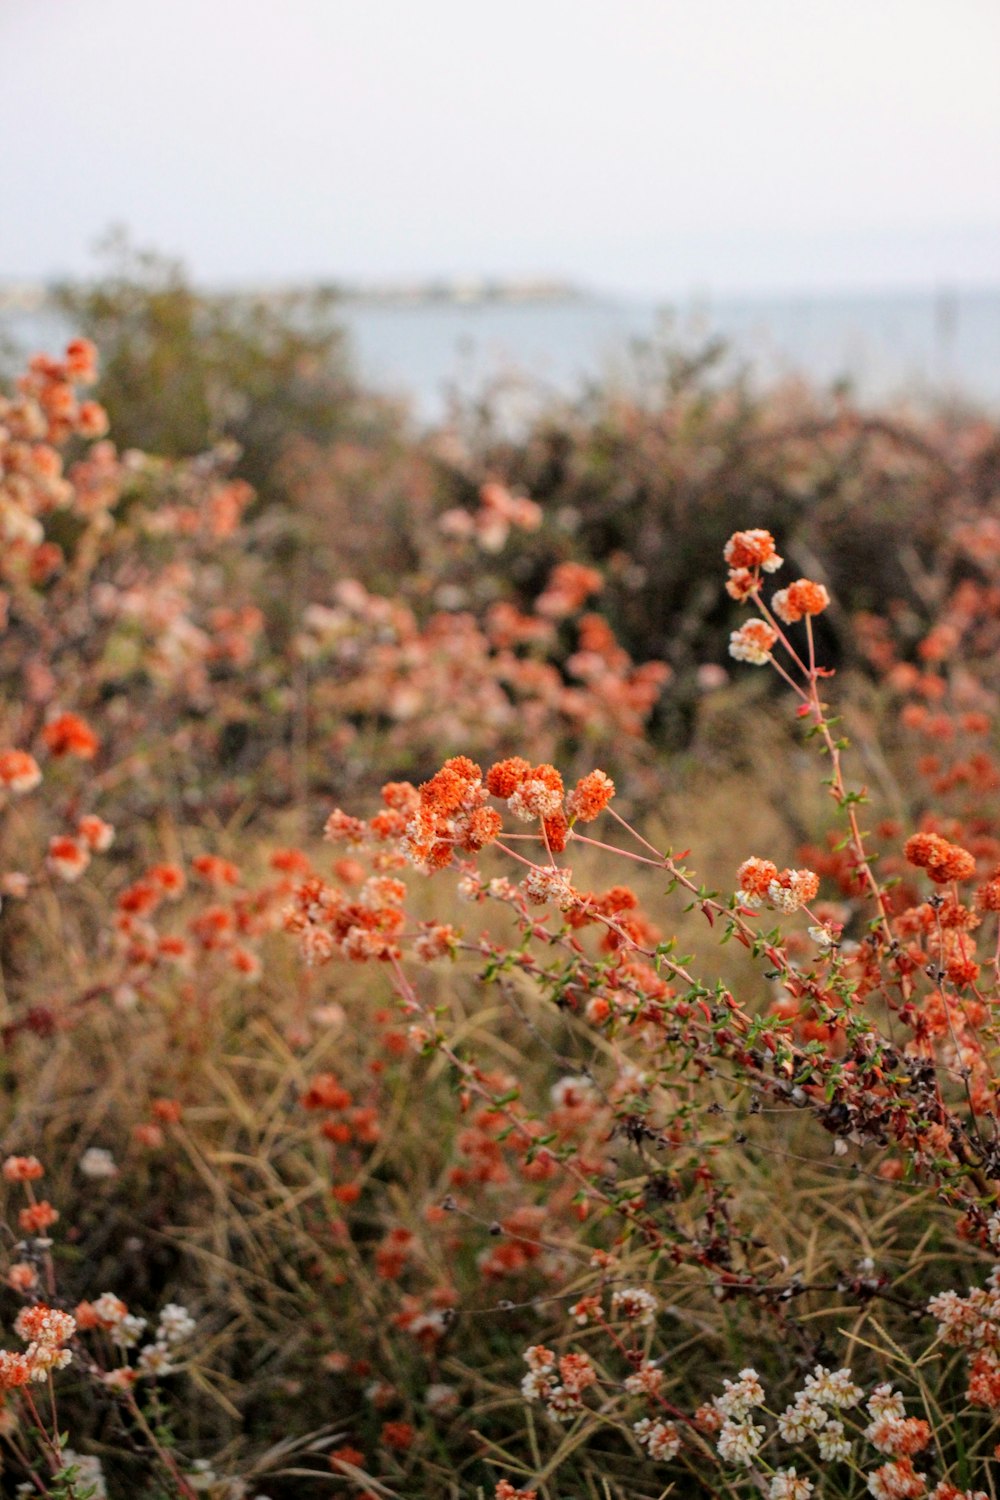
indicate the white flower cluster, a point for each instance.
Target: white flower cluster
{"x":549,"y":883}
{"x":809,"y":1414}
{"x":97,"y":1163}
{"x":635,"y":1305}
{"x":739,"y":1436}
{"x":661,"y":1440}
{"x":174,"y":1327}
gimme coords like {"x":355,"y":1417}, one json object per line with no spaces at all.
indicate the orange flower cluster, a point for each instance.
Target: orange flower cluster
{"x":753,"y":549}
{"x":943,"y":861}
{"x":753,"y":642}
{"x":499,"y":511}
{"x":19,"y":771}
{"x":327,"y":922}
{"x":570,"y":585}
{"x":451,"y":814}
{"x":801,"y":598}
{"x":760,"y":882}
{"x":68,"y":734}
{"x":748,"y":554}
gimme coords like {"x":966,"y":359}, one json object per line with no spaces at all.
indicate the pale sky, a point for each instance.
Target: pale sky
{"x":645,"y":146}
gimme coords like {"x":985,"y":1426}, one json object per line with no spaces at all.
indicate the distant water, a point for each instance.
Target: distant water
{"x":902,"y":346}
{"x":913,"y":346}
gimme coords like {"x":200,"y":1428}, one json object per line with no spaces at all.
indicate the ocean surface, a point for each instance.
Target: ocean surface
{"x":910,"y":346}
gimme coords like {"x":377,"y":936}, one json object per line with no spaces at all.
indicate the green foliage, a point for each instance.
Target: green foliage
{"x":184,"y":369}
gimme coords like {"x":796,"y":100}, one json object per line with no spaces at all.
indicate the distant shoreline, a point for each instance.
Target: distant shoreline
{"x":35,"y":297}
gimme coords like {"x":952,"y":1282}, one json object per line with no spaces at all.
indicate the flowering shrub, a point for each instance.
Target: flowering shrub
{"x":561,"y":1196}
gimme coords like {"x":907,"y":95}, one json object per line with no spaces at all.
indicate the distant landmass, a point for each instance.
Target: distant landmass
{"x":33,"y":297}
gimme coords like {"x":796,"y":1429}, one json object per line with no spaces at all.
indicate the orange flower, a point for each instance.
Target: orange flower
{"x":590,"y":796}
{"x":19,"y":771}
{"x":22,"y":1169}
{"x":943,"y":861}
{"x":740,"y":584}
{"x":96,"y":834}
{"x":215,"y":870}
{"x":754,"y":877}
{"x":68,"y":734}
{"x":67,"y":858}
{"x":15,"y":1370}
{"x":504,"y":778}
{"x":398,"y":1435}
{"x":37,"y":1217}
{"x":752,"y":549}
{"x":168,"y":1110}
{"x":803,"y":597}
{"x":81,"y":361}
{"x":346,"y":1455}
{"x":753,"y":642}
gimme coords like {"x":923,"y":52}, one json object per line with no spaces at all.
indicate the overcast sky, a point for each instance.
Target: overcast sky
{"x":661,"y":146}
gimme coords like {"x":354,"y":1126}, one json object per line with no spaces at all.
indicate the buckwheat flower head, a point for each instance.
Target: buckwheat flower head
{"x":897,"y":1481}
{"x":739,"y":1441}
{"x":741,"y":583}
{"x":943,"y":861}
{"x":824,"y":936}
{"x":588,"y":1307}
{"x":537,"y":1384}
{"x":22,"y":1276}
{"x":96,"y":833}
{"x":635,"y":1305}
{"x":563,"y":1404}
{"x":549,"y":883}
{"x":832,"y":1388}
{"x":97,"y":1163}
{"x":36,"y":1218}
{"x":45,"y":1359}
{"x":752,"y":549}
{"x":753,"y":642}
{"x":44,"y":1325}
{"x":793,"y":889}
{"x":754,"y":878}
{"x":898,"y":1436}
{"x":739,"y":1397}
{"x":19,"y":772}
{"x":590,"y":796}
{"x":67,"y":857}
{"x":834,"y":1447}
{"x":801,"y":1419}
{"x":803,"y":597}
{"x":885,"y":1402}
{"x":109,"y":1309}
{"x":993,"y":1229}
{"x":576,"y":1372}
{"x":661,"y":1440}
{"x":68,"y":734}
{"x":154,"y":1360}
{"x":15,"y":1370}
{"x":128,"y":1331}
{"x":175,"y":1324}
{"x":646,"y":1380}
{"x":22,"y":1169}
{"x":440,"y":1399}
{"x":538,"y":795}
{"x":573,"y":1092}
{"x":787,"y":1485}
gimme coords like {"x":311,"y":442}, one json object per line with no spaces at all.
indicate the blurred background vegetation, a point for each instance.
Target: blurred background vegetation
{"x":645,"y":483}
